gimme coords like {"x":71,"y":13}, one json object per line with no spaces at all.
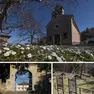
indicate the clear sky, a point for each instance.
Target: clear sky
{"x":83,"y":14}
{"x":22,"y":78}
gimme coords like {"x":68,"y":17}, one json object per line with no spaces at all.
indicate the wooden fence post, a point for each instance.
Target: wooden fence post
{"x":60,"y":86}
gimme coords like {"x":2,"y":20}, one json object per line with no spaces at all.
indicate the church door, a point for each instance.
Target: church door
{"x":57,"y":39}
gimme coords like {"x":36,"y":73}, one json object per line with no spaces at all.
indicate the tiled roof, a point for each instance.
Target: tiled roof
{"x":23,"y":83}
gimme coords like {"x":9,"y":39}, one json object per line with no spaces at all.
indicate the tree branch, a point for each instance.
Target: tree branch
{"x":6,"y":28}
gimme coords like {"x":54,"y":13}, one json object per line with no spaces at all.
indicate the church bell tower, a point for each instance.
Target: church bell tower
{"x":59,"y":10}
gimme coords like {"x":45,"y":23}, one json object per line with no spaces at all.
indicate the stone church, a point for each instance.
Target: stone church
{"x":62,"y":29}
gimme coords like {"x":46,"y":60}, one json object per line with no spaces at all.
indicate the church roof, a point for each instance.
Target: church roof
{"x":23,"y":83}
{"x":75,"y":24}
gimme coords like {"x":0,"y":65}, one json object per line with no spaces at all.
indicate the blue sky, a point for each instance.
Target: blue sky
{"x":83,"y":14}
{"x":22,"y":78}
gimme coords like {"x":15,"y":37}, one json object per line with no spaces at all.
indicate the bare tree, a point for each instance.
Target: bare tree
{"x":30,"y":27}
{"x":6,"y":5}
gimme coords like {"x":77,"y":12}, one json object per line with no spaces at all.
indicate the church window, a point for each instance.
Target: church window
{"x":57,"y":26}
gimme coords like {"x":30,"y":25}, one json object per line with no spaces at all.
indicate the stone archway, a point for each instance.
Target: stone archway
{"x":28,"y":78}
{"x":10,"y":83}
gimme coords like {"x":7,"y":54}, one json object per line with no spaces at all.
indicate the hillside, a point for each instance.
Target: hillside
{"x":46,"y":53}
{"x":88,"y":33}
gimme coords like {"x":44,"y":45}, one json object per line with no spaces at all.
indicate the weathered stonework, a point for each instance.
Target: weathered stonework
{"x":10,"y":83}
{"x":4,"y":39}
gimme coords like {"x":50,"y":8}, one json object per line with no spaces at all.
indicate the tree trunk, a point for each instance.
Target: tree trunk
{"x":0,"y":23}
{"x":31,"y":37}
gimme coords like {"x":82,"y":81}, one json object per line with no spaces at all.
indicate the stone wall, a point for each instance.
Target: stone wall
{"x":4,"y":39}
{"x":64,"y":26}
{"x":75,"y":34}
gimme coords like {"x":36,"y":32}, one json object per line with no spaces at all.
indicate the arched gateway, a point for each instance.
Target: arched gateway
{"x":10,"y":83}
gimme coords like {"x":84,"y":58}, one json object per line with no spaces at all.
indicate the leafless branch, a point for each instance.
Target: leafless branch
{"x":13,"y":27}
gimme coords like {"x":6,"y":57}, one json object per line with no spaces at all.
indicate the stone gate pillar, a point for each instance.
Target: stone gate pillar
{"x":10,"y":83}
{"x":33,"y":69}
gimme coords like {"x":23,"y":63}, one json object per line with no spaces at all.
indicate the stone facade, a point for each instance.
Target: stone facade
{"x":62,"y":29}
{"x":75,"y":33}
{"x":4,"y":39}
{"x":22,"y":86}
